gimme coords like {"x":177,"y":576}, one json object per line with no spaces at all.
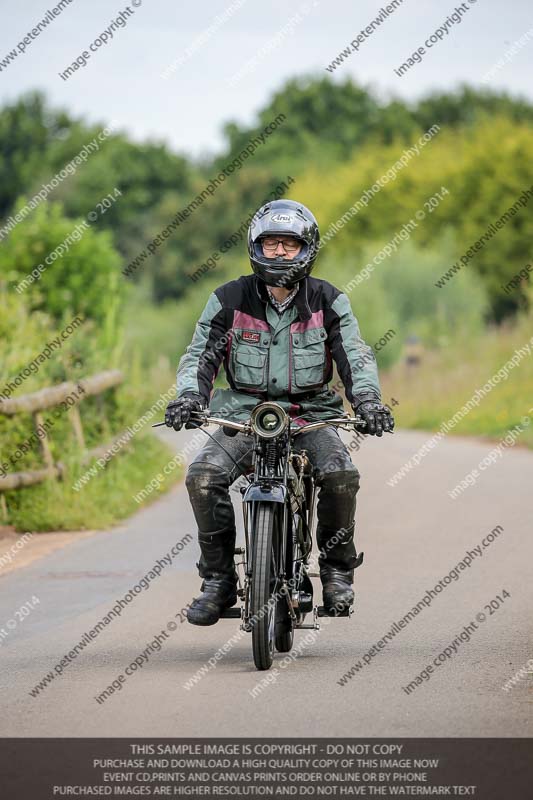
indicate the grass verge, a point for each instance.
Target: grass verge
{"x":105,"y":500}
{"x":446,"y":379}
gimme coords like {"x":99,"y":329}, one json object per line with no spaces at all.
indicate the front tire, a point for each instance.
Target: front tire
{"x":264,"y":584}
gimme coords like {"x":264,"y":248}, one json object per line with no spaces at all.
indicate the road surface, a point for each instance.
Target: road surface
{"x":413,"y":535}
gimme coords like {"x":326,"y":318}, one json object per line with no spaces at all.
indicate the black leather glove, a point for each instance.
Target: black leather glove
{"x":378,"y":417}
{"x":178,"y":412}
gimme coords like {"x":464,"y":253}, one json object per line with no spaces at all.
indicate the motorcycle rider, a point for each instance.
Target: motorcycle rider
{"x":278,"y":332}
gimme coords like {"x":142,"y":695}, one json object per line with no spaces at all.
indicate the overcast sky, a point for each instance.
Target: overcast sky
{"x":122,"y":79}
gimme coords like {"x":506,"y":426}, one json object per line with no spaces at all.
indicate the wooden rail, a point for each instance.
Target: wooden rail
{"x":46,"y":398}
{"x":37,"y":402}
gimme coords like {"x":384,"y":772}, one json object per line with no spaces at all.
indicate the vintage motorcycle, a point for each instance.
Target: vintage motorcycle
{"x":279,"y":516}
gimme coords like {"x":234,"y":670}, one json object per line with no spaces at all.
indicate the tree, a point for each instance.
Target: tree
{"x":27,"y":130}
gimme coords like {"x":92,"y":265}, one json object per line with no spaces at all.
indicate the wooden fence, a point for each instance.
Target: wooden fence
{"x":35,"y":404}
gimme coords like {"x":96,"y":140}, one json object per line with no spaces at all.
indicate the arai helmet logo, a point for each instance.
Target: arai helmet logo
{"x":281,"y":218}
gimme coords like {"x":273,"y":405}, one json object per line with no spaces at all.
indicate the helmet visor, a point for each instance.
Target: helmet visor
{"x":281,"y":222}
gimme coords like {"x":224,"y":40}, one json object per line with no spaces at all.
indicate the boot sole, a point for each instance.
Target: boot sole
{"x":333,"y":611}
{"x":337,"y":606}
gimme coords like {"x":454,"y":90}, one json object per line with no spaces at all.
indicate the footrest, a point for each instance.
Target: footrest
{"x":321,"y":612}
{"x":231,"y":613}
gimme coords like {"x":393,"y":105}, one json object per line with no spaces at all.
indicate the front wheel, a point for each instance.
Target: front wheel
{"x":264,"y":583}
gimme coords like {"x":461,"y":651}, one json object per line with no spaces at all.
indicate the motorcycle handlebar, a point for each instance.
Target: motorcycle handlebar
{"x":204,"y":418}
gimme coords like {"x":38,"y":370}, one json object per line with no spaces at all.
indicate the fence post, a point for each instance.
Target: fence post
{"x":75,"y":419}
{"x":43,"y":442}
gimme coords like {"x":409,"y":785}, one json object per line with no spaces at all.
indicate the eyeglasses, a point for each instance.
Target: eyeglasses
{"x":289,"y":245}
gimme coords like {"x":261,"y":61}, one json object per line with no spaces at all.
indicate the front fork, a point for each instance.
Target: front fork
{"x":243,"y":590}
{"x":299,"y":462}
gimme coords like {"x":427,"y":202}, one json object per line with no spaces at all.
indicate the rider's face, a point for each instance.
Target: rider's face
{"x":281,"y":246}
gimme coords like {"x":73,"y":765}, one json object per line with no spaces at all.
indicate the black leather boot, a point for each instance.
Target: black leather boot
{"x":219,"y":585}
{"x":338,"y":559}
{"x":218,"y":593}
{"x":337,"y":589}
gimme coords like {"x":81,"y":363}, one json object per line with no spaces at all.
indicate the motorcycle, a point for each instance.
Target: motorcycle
{"x":278,"y":500}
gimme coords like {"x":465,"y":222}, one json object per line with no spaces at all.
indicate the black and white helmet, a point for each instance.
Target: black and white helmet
{"x":292,"y":219}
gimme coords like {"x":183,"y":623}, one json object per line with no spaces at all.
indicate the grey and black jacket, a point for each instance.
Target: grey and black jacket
{"x":287,"y":358}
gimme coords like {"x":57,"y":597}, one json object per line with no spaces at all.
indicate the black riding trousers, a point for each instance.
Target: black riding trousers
{"x":212,"y":472}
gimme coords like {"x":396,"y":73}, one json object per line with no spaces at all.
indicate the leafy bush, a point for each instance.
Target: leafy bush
{"x":81,"y":278}
{"x":28,"y":363}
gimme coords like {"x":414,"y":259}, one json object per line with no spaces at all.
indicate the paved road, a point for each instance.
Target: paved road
{"x":412,"y":534}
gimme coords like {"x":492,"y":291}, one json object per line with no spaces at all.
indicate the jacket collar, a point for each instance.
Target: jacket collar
{"x":300,"y":301}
